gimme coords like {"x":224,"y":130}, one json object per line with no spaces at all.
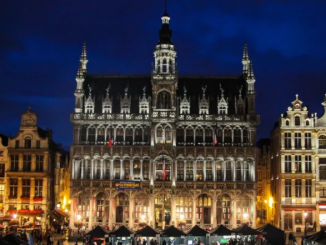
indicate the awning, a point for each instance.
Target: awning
{"x":319,"y":237}
{"x":272,"y":234}
{"x":221,"y":230}
{"x":245,"y":230}
{"x":172,"y":231}
{"x":147,"y":231}
{"x":97,"y":232}
{"x":122,"y":231}
{"x":197,"y":231}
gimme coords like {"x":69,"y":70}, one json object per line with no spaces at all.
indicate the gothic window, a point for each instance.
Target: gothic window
{"x":168,"y":135}
{"x":164,"y":65}
{"x":141,"y":207}
{"x":227,"y":136}
{"x":83,"y":133}
{"x":158,"y":66}
{"x":180,"y":170}
{"x":223,"y":210}
{"x":246,"y":136}
{"x":116,"y":168}
{"x":288,"y":188}
{"x":100,"y":135}
{"x":209,"y":170}
{"x":91,"y":135}
{"x":190,"y":136}
{"x":322,"y":142}
{"x":97,"y":169}
{"x":146,"y":169}
{"x":159,"y":134}
{"x":180,"y":135}
{"x":297,"y":164}
{"x":199,"y":136}
{"x":238,"y":171}
{"x":208,"y":135}
{"x":288,"y":164}
{"x":287,"y":140}
{"x":108,"y":169}
{"x":129,"y":136}
{"x":126,"y":165}
{"x":288,"y":222}
{"x":109,"y":134}
{"x":298,"y":187}
{"x":138,"y":134}
{"x":199,"y":171}
{"x":147,"y":134}
{"x":83,"y":207}
{"x":100,"y":207}
{"x":297,"y":121}
{"x":184,"y":208}
{"x":203,"y":208}
{"x":228,"y":171}
{"x":246,"y":171}
{"x":119,"y":135}
{"x":163,"y":169}
{"x":136,"y":170}
{"x":219,"y":170}
{"x":308,"y":164}
{"x":219,"y":137}
{"x":170,"y":66}
{"x":297,"y":140}
{"x":190,"y":170}
{"x":237,"y":136}
{"x":163,"y":100}
{"x":27,"y":163}
{"x":122,"y":208}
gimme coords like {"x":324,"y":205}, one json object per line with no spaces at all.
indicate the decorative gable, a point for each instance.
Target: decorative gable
{"x":125,"y":103}
{"x":144,"y":103}
{"x":185,"y":103}
{"x":89,"y":103}
{"x":203,"y":102}
{"x":107,"y":102}
{"x":222,"y":104}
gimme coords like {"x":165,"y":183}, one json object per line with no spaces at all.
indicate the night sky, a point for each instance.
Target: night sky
{"x":41,"y":42}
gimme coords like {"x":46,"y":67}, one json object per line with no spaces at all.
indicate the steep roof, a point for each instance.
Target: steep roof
{"x":4,"y":139}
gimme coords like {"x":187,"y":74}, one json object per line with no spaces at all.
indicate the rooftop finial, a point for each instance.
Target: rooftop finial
{"x":222,"y":90}
{"x":108,"y":88}
{"x":204,"y":89}
{"x":296,"y":96}
{"x":144,"y":90}
{"x":90,"y":89}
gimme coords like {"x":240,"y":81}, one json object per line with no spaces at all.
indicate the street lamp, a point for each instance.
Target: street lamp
{"x":15,"y":216}
{"x":305,"y":223}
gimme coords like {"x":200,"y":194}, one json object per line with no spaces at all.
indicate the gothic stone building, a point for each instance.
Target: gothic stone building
{"x":163,"y":129}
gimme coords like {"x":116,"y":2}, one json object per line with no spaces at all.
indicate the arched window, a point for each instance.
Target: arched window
{"x":109,"y":134}
{"x":208,"y":135}
{"x":246,"y":136}
{"x":184,"y":208}
{"x":288,"y":221}
{"x":97,"y":169}
{"x":107,"y":169}
{"x":287,"y":122}
{"x":246,"y":171}
{"x":322,"y":142}
{"x":100,"y":207}
{"x":228,"y":170}
{"x":297,"y":120}
{"x":119,"y":135}
{"x":83,"y":133}
{"x":170,"y":66}
{"x":227,"y":136}
{"x":209,"y":170}
{"x":180,"y":170}
{"x":122,"y":208}
{"x":163,"y":170}
{"x":126,"y":166}
{"x":203,"y":209}
{"x":219,"y":136}
{"x":307,"y":123}
{"x":136,"y":170}
{"x":164,"y":65}
{"x":219,"y":171}
{"x":223,"y":214}
{"x":190,"y":170}
{"x":163,"y":100}
{"x":237,"y":136}
{"x":147,"y":134}
{"x":88,"y":168}
{"x":138,"y":135}
{"x":180,"y":136}
{"x":190,"y":136}
{"x":141,"y":208}
{"x":83,"y":207}
{"x":199,"y":170}
{"x":129,"y":136}
{"x":100,"y":135}
{"x":243,"y":211}
{"x":199,"y":136}
{"x":168,"y":135}
{"x":91,"y":135}
{"x":159,"y":66}
{"x":159,"y":134}
{"x":238,"y":171}
{"x":146,"y":169}
{"x":117,"y":169}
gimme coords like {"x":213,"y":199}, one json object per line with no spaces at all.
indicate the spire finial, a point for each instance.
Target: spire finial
{"x":166,"y":6}
{"x":296,"y":96}
{"x":222,"y":90}
{"x":108,"y":88}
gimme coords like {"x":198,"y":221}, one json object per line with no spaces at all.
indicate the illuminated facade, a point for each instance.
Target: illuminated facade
{"x":188,"y":140}
{"x":3,"y":161}
{"x":32,"y":157}
{"x":265,"y":203}
{"x":298,"y":179}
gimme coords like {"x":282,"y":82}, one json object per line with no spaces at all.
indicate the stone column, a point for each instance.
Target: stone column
{"x":141,"y":170}
{"x":46,"y":162}
{"x":131,"y":165}
{"x":20,"y":162}
{"x":282,"y":140}
{"x":173,"y":210}
{"x":112,"y":213}
{"x":302,"y":141}
{"x":131,"y":212}
{"x":91,"y":213}
{"x":33,"y":166}
{"x":292,"y":141}
{"x":213,"y":213}
{"x":254,"y":213}
{"x":102,"y":169}
{"x":82,"y":162}
{"x":121,"y":169}
{"x":303,"y":189}
{"x":151,"y":211}
{"x":234,"y":214}
{"x":73,"y":169}
{"x":303,"y":164}
{"x":282,"y":163}
{"x":111,"y":169}
{"x":92,"y":168}
{"x":19,"y":188}
{"x":194,"y":211}
{"x":293,"y":163}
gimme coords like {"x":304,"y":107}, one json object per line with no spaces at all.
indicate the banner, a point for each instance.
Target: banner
{"x":123,"y":185}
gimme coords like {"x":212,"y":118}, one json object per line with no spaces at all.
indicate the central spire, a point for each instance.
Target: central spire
{"x":165,"y":32}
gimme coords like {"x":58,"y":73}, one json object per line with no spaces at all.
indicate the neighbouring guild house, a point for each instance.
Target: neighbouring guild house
{"x":298,"y":181}
{"x":3,"y":160}
{"x":164,"y":149}
{"x":29,"y":195}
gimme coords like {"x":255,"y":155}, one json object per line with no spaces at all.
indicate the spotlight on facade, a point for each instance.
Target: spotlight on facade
{"x":271,"y":201}
{"x":66,"y":210}
{"x":305,"y":214}
{"x":245,"y":215}
{"x":78,"y":217}
{"x":15,"y":216}
{"x":58,"y":205}
{"x":182,"y":216}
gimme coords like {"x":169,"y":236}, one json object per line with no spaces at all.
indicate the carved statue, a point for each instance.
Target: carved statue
{"x":184,"y":89}
{"x":108,"y":89}
{"x":144,"y":89}
{"x":204,"y":89}
{"x":222,"y":90}
{"x":126,"y":90}
{"x":90,"y":88}
{"x":240,"y":91}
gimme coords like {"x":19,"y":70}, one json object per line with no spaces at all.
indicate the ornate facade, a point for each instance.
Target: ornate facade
{"x":298,"y":179}
{"x":188,"y":141}
{"x":29,"y":194}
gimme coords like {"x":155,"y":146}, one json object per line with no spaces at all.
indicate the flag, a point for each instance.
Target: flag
{"x":164,"y":170}
{"x":110,"y":142}
{"x":215,"y":135}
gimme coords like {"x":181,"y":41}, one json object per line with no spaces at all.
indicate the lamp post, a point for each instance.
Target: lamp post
{"x":305,"y":223}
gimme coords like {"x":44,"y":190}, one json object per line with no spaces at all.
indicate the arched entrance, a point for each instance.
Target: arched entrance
{"x":223,"y":214}
{"x":122,"y":208}
{"x":203,"y":211}
{"x":162,"y":210}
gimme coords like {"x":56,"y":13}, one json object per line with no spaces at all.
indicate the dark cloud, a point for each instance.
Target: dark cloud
{"x":41,"y":43}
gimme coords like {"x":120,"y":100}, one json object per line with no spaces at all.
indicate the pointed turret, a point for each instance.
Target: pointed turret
{"x":79,"y":92}
{"x":83,"y":58}
{"x":245,"y":59}
{"x":185,"y":103}
{"x":203,"y":102}
{"x":322,"y":121}
{"x":251,"y":79}
{"x":144,"y":103}
{"x":107,"y":102}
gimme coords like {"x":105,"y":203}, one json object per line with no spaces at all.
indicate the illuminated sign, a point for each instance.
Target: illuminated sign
{"x":122,"y":185}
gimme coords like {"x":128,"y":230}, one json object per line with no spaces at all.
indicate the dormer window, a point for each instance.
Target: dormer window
{"x":307,"y":123}
{"x":28,"y":143}
{"x":322,"y":142}
{"x":297,"y":121}
{"x":287,"y":123}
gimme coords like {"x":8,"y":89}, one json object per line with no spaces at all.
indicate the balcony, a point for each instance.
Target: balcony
{"x":104,"y":117}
